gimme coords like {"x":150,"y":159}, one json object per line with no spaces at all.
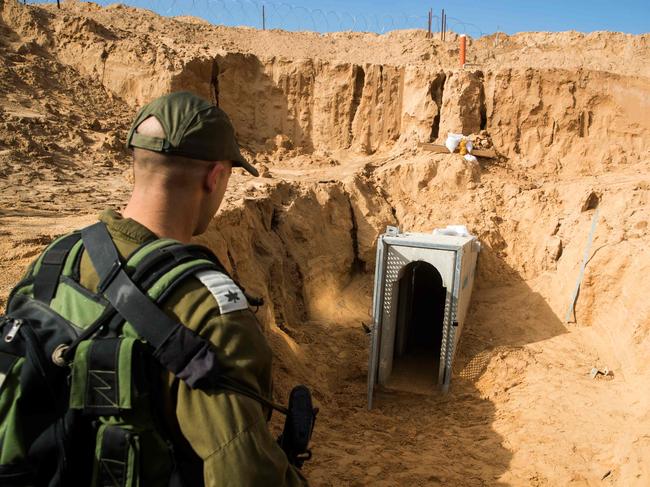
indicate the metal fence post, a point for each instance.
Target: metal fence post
{"x":445,"y":31}
{"x":444,"y":25}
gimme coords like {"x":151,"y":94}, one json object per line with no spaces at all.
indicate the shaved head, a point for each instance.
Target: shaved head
{"x":168,"y":169}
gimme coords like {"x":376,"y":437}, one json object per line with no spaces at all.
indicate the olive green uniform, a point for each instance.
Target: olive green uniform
{"x":226,"y":430}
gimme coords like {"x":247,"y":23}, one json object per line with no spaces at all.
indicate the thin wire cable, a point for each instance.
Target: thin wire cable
{"x":288,"y":16}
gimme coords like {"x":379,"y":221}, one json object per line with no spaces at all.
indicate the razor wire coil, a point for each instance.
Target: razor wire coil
{"x":291,"y":17}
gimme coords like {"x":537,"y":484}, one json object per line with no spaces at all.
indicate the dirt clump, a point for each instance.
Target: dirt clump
{"x":334,"y":122}
{"x":463,"y":104}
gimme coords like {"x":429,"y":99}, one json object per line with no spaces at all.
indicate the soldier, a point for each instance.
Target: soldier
{"x":184,"y":149}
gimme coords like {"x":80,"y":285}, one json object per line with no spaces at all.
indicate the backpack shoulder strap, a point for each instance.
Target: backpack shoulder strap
{"x":163,"y":269}
{"x":177,"y":348}
{"x":157,"y":268}
{"x":163,"y":260}
{"x":181,"y":262}
{"x":46,"y":275}
{"x":184,"y":353}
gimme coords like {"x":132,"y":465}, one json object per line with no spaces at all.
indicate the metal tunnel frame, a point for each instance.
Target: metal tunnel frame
{"x":394,"y":251}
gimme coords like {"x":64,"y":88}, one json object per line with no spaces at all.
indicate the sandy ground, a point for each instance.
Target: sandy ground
{"x":349,"y":110}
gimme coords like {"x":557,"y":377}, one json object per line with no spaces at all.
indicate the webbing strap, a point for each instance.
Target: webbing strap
{"x":178,"y":280}
{"x":146,"y":273}
{"x":165,"y":259}
{"x":114,"y":456}
{"x":184,"y":353}
{"x":102,"y":394}
{"x":47,"y":279}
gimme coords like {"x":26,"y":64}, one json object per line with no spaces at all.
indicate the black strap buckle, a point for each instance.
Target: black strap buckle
{"x":106,"y":281}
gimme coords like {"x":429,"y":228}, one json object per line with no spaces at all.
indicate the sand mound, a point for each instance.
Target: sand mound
{"x":56,"y":127}
{"x":335,"y":121}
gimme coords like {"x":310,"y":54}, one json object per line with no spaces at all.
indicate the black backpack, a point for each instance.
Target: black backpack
{"x":80,"y":372}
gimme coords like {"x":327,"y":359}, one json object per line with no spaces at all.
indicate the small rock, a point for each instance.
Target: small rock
{"x":283,"y":142}
{"x":606,"y":373}
{"x":554,"y":248}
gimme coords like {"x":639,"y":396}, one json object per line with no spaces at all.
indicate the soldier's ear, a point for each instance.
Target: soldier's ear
{"x":216,"y":171}
{"x":211,"y":177}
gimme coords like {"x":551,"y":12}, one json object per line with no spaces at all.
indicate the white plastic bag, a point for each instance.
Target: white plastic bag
{"x":452,"y":141}
{"x":453,"y":230}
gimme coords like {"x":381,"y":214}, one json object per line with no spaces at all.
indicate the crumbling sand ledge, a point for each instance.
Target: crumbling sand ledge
{"x":349,"y":109}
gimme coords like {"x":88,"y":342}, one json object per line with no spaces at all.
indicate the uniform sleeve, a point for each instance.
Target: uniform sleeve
{"x":227,"y":430}
{"x":251,"y":459}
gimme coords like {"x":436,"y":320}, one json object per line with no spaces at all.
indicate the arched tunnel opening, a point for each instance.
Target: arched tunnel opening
{"x":419,"y":326}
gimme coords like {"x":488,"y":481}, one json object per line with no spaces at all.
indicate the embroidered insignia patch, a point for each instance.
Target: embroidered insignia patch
{"x":229,"y":297}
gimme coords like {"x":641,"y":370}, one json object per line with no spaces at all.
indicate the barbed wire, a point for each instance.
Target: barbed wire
{"x":291,"y":17}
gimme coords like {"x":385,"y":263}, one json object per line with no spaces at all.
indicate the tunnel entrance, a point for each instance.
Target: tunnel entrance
{"x":419,"y":327}
{"x":423,"y":287}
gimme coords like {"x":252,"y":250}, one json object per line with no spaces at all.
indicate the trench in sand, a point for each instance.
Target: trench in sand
{"x":300,"y":248}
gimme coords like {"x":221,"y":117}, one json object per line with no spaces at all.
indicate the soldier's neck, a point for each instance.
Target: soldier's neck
{"x":166,"y":215}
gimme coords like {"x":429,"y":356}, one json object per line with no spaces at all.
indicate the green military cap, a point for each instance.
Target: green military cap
{"x":194,"y":128}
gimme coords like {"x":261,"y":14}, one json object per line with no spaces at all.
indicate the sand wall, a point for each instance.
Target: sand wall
{"x":547,"y":119}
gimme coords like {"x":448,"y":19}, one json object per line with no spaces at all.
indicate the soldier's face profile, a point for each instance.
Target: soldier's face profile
{"x":216,"y":185}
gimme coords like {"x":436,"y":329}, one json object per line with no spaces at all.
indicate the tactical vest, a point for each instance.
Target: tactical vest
{"x":80,"y":372}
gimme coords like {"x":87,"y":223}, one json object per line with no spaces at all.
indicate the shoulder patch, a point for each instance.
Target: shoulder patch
{"x":228,"y":295}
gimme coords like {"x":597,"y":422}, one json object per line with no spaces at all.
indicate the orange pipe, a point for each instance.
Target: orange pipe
{"x":463,"y":49}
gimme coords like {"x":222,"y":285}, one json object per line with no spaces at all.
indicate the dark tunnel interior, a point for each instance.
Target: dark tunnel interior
{"x":420,"y":315}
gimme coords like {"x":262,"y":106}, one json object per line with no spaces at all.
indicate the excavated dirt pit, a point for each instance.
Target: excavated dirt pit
{"x":333,"y":122}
